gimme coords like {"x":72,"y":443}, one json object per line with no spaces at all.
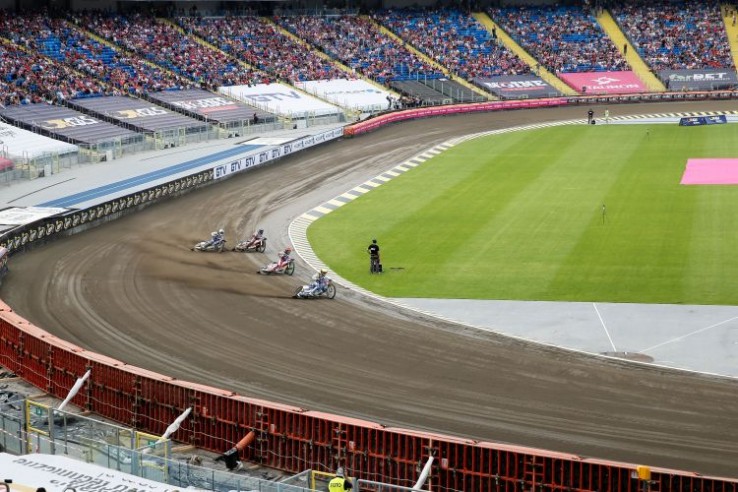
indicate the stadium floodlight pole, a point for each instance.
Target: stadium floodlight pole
{"x":75,"y":389}
{"x":424,"y":474}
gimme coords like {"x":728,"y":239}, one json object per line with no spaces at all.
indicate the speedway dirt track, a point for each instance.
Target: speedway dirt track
{"x":134,"y":291}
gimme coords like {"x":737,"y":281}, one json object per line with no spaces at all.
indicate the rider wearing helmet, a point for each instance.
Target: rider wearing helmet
{"x":319,"y":283}
{"x":255,"y":238}
{"x":213,"y":239}
{"x":283,"y":258}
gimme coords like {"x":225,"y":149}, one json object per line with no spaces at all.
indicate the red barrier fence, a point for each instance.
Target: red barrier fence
{"x":411,"y":114}
{"x":293,"y":439}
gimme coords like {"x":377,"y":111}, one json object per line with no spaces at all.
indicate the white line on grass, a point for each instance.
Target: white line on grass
{"x":677,"y":339}
{"x":604,"y":327}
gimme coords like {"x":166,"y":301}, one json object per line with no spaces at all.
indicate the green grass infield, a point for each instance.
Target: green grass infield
{"x":520,"y":216}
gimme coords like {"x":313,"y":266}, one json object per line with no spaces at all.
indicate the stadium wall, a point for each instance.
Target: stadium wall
{"x":290,"y":438}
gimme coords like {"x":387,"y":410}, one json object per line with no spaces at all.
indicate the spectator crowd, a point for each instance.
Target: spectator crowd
{"x":27,"y":76}
{"x":360,"y":44}
{"x":45,"y":59}
{"x":165,"y":45}
{"x":261,"y":44}
{"x":455,"y":40}
{"x":564,"y":39}
{"x":676,"y":35}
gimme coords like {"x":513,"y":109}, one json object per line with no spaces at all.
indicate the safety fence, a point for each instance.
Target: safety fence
{"x":427,"y":112}
{"x":27,"y":427}
{"x":286,"y":437}
{"x":293,"y":439}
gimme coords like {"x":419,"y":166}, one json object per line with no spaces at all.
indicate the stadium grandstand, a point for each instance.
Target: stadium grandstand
{"x":83,"y":85}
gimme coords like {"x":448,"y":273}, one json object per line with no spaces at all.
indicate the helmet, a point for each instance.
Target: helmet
{"x":213,"y":234}
{"x":221,"y":231}
{"x":323,"y":271}
{"x":288,"y":250}
{"x":339,"y":472}
{"x":261,"y":231}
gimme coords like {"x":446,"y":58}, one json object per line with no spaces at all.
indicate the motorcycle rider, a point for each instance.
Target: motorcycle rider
{"x":283,"y":258}
{"x":214,"y":239}
{"x":255,"y":237}
{"x":319,"y":283}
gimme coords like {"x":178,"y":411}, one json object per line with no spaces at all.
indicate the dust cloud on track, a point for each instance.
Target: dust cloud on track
{"x":133,"y":290}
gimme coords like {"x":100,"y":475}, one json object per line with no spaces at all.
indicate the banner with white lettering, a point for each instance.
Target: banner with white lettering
{"x":215,"y":107}
{"x":16,"y":216}
{"x":699,"y":80}
{"x":22,"y":144}
{"x":274,"y":152}
{"x":596,"y":83}
{"x":138,"y":113}
{"x":59,"y":473}
{"x":66,"y":123}
{"x":280,"y":99}
{"x":518,"y":86}
{"x":353,"y":94}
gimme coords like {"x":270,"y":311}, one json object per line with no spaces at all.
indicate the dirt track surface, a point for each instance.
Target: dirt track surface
{"x":133,"y":290}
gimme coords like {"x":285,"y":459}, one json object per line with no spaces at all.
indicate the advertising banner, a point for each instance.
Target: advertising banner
{"x":518,"y":86}
{"x":53,"y":472}
{"x":604,"y":82}
{"x":23,"y":143}
{"x":275,"y":152}
{"x":215,"y":107}
{"x":67,"y":123}
{"x":16,"y":216}
{"x":138,"y":113}
{"x":280,"y":99}
{"x":703,"y":120}
{"x":699,"y":80}
{"x":354,"y":94}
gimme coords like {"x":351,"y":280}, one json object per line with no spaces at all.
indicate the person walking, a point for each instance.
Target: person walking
{"x":339,"y":483}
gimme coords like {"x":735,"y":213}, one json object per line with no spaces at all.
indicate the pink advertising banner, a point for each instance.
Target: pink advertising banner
{"x":604,"y":82}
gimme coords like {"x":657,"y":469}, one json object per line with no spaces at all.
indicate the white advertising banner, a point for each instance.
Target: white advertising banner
{"x":19,"y":143}
{"x":26,"y":215}
{"x":280,"y":99}
{"x":353,"y":94}
{"x":59,"y":473}
{"x":274,"y":152}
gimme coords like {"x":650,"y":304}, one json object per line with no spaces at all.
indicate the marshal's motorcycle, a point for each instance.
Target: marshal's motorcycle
{"x":251,"y":245}
{"x":303,"y":292}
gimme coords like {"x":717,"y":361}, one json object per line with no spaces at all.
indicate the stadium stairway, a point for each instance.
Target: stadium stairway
{"x":513,"y":46}
{"x":350,"y":73}
{"x":612,"y":29}
{"x":429,"y":60}
{"x":731,"y":31}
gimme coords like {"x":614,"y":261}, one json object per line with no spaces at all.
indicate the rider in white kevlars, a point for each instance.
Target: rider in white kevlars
{"x":213,"y":239}
{"x":319,"y":283}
